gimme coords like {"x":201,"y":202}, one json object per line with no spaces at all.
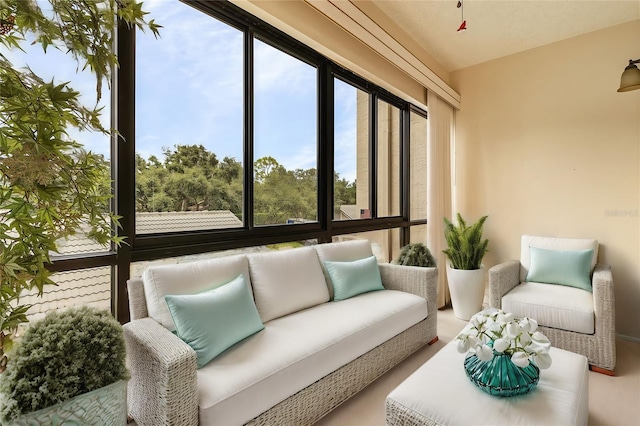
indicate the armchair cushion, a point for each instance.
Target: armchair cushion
{"x":563,"y":267}
{"x":551,"y":243}
{"x":556,"y":306}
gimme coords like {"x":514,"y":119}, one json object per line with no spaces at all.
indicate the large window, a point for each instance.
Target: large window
{"x":189,"y":123}
{"x":285,"y":148}
{"x":351,"y":152}
{"x":76,"y":286}
{"x":388,"y":159}
{"x":236,"y":136}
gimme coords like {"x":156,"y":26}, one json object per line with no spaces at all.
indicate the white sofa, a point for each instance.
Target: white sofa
{"x":312,"y":354}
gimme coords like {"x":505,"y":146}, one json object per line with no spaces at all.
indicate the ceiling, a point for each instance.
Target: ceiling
{"x":501,"y":28}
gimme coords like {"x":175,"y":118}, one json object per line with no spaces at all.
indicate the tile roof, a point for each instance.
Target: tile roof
{"x":93,"y":286}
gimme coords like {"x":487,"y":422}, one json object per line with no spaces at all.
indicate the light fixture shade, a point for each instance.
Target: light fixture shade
{"x":630,"y":79}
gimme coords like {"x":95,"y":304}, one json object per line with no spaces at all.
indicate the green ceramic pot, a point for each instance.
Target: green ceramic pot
{"x":500,"y":376}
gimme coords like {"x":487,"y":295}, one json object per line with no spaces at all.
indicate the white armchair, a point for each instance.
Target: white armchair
{"x":573,"y":319}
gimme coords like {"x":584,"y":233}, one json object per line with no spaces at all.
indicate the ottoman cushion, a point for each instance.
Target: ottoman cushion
{"x":439,"y":393}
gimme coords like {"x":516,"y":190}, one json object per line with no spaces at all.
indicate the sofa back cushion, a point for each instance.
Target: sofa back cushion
{"x":550,"y":243}
{"x":188,"y":278}
{"x":344,"y":251}
{"x":286,"y":281}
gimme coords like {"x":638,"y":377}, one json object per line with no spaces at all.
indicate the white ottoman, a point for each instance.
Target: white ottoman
{"x":439,"y":393}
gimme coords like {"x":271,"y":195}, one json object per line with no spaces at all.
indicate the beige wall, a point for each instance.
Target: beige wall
{"x":546,"y":146}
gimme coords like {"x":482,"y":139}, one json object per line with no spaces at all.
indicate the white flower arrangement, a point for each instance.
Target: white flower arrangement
{"x":514,"y":336}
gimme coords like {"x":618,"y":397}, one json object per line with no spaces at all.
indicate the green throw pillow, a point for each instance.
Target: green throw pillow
{"x":213,"y":321}
{"x":349,"y":279}
{"x":571,"y":267}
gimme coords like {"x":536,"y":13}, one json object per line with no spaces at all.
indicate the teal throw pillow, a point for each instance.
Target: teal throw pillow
{"x":565,"y":267}
{"x":213,"y":321}
{"x":349,"y":279}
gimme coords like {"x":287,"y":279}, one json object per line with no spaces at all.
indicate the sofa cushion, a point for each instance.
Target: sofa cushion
{"x":566,"y":308}
{"x":188,"y":278}
{"x":286,"y":281}
{"x":349,"y":279}
{"x":563,"y":267}
{"x":550,"y":243}
{"x":213,"y":321}
{"x":295,"y":351}
{"x":344,"y":251}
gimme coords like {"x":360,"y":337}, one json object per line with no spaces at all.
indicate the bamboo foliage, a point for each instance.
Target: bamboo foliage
{"x":466,"y":248}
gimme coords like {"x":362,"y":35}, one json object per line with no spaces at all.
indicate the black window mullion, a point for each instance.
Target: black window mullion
{"x":373,"y":155}
{"x":123,"y":151}
{"x":326,"y":140}
{"x":248,"y":131}
{"x":405,"y":172}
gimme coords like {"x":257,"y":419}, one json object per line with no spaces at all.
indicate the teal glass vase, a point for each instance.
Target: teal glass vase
{"x":500,"y":376}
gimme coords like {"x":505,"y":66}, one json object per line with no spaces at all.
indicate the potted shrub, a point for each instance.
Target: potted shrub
{"x":465,"y":272}
{"x":67,"y":368}
{"x":416,"y":254}
{"x":50,"y":187}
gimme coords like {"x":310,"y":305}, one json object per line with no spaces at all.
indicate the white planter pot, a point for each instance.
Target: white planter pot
{"x":467,"y":291}
{"x":104,"y":406}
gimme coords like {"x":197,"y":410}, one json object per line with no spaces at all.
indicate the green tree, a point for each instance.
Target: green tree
{"x":189,"y":178}
{"x":280,"y":194}
{"x":344,"y":193}
{"x":50,"y":186}
{"x":185,"y":157}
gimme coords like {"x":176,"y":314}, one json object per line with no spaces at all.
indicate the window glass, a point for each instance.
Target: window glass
{"x":57,"y":66}
{"x":189,"y":123}
{"x":418,"y":234}
{"x":388,"y":159}
{"x":87,"y":286}
{"x":90,"y":287}
{"x":285,"y":138}
{"x":418,"y":168}
{"x":351,"y":152}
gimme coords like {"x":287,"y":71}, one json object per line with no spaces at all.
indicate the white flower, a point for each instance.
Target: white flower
{"x":463,"y":345}
{"x":525,"y":324}
{"x":513,"y":330}
{"x":500,"y":332}
{"x":520,"y":359}
{"x":542,"y":360}
{"x":501,"y":345}
{"x":484,"y":353}
{"x":540,"y":339}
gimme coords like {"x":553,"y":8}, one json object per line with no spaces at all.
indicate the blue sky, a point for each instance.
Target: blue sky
{"x":189,"y":90}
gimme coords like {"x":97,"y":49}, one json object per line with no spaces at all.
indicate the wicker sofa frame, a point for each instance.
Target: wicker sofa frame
{"x":163,"y":386}
{"x":599,"y":347}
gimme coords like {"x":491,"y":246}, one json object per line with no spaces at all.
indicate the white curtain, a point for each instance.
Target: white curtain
{"x":439,"y":198}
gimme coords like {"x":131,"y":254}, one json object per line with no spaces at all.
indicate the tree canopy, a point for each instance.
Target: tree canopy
{"x":192,"y":178}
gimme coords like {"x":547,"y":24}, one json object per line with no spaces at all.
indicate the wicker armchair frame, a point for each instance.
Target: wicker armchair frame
{"x":599,"y":347}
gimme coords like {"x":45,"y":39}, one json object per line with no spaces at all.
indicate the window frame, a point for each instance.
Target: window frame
{"x":157,"y":246}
